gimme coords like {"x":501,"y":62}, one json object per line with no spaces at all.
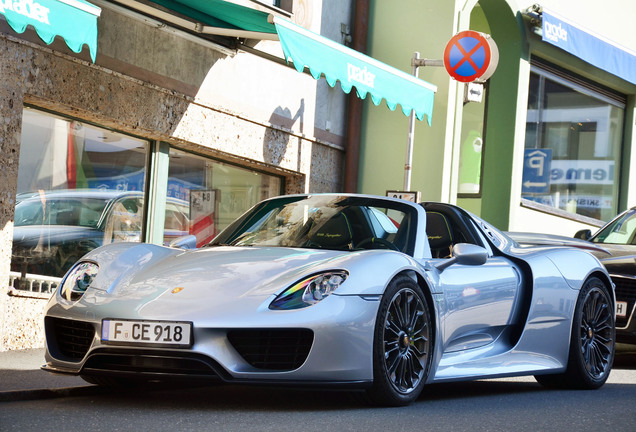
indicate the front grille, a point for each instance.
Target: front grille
{"x":159,"y":364}
{"x":71,"y":338}
{"x":626,"y":292}
{"x":273,"y":349}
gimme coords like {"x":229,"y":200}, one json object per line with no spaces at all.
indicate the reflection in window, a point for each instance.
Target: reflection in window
{"x":213,"y":193}
{"x":79,"y":186}
{"x":573,"y":142}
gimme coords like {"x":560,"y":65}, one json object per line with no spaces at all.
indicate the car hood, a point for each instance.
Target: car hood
{"x":51,"y":234}
{"x":152,"y":282}
{"x":538,"y":239}
{"x":617,"y":250}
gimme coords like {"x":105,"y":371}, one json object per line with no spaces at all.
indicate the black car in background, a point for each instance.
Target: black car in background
{"x":614,"y":245}
{"x":54,"y":229}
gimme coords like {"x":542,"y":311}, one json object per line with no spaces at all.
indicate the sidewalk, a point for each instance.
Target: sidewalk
{"x":22,"y":378}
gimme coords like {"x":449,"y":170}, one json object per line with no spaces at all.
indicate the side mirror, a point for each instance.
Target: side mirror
{"x":466,"y":254}
{"x":584,"y":234}
{"x":185,"y":242}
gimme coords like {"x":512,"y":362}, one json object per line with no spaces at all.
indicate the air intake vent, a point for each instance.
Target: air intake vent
{"x":273,"y":349}
{"x":72,"y":338}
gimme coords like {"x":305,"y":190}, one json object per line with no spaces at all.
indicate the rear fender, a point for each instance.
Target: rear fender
{"x":576,"y":266}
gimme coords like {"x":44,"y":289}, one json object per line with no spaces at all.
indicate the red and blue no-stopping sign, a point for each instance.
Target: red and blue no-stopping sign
{"x":471,"y":56}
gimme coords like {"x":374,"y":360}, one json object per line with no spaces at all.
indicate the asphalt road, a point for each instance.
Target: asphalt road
{"x":518,"y":404}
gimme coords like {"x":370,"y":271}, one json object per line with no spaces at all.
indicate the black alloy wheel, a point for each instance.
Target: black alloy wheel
{"x":592,"y":344}
{"x":402,"y":344}
{"x":596,"y":333}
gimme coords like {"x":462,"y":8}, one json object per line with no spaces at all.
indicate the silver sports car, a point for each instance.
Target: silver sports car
{"x":357,"y":291}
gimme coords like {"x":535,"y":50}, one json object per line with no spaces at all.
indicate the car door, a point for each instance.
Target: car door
{"x":479,"y":302}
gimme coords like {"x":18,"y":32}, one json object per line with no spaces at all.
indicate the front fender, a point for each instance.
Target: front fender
{"x":371,"y":271}
{"x":122,"y":261}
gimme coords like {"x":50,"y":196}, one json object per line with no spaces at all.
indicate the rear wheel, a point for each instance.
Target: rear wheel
{"x":592,"y":341}
{"x":402,"y":346}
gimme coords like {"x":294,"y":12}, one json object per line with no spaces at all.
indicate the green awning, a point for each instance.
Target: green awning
{"x":73,"y":20}
{"x":339,"y":63}
{"x":219,"y":17}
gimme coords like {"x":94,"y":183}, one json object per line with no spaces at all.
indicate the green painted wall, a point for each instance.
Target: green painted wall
{"x":501,"y":113}
{"x":395,"y":33}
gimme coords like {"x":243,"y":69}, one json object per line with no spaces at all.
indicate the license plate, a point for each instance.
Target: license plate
{"x":155,"y":333}
{"x":621,"y":309}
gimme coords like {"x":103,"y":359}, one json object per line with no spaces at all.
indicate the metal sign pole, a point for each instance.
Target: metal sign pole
{"x":416,"y":62}
{"x":411,"y":135}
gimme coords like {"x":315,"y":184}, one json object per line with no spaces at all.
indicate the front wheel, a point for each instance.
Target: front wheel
{"x":592,"y":342}
{"x":402,"y":344}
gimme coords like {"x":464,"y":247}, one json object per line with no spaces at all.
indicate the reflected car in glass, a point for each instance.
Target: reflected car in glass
{"x":54,"y":229}
{"x":369,"y":293}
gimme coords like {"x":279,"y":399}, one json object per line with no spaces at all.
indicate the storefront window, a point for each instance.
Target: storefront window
{"x":572,"y":148}
{"x":79,"y":186}
{"x":213,"y":193}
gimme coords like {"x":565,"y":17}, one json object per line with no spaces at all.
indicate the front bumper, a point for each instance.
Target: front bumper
{"x":328,"y":343}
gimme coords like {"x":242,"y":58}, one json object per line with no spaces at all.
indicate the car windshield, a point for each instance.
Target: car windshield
{"x":85,"y":212}
{"x":620,"y":231}
{"x":324,"y":222}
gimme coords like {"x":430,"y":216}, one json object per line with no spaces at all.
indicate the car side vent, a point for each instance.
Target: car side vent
{"x":72,"y":338}
{"x":273,"y":349}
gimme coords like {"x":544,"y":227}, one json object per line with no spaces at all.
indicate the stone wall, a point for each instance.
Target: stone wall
{"x":23,"y":320}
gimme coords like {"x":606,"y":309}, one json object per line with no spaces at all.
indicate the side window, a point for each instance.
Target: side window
{"x":447,"y":226}
{"x":622,"y":231}
{"x":391,"y":229}
{"x":487,"y":234}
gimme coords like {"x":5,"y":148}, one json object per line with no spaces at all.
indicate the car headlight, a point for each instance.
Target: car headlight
{"x":309,"y":291}
{"x":77,"y":280}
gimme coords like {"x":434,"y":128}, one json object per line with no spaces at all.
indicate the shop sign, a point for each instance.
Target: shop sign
{"x":575,"y":201}
{"x":582,"y":43}
{"x":27,"y":8}
{"x":597,"y":172}
{"x":360,"y":75}
{"x":536,"y":171}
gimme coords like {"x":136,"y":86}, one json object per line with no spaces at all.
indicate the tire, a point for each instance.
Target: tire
{"x":402,"y":345}
{"x":592,"y":341}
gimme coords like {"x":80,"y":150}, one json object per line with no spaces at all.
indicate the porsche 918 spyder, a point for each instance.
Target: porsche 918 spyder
{"x":355,"y":291}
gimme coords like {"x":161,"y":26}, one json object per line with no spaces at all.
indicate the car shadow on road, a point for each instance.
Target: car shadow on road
{"x":250,"y":397}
